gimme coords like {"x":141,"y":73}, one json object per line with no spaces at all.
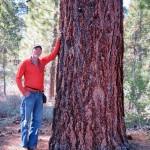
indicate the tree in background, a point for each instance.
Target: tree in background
{"x":89,"y":110}
{"x":53,"y":63}
{"x":10,"y":25}
{"x":41,"y":27}
{"x":137,"y":30}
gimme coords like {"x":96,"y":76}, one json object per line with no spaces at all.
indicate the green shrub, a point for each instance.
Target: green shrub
{"x":48,"y":113}
{"x":135,"y":119}
{"x":9,"y":107}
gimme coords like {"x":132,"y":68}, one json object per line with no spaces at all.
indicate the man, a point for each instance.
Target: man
{"x":32,"y":70}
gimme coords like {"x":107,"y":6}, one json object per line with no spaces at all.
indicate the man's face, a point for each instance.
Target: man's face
{"x":37,"y":52}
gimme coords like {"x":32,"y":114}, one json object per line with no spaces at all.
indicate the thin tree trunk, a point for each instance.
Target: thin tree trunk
{"x":89,"y":109}
{"x":53,"y":63}
{"x":140,"y":36}
{"x":52,"y":70}
{"x":4,"y":71}
{"x":4,"y":80}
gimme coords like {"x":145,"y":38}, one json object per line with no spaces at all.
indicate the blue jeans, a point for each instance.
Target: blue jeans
{"x":31,"y":112}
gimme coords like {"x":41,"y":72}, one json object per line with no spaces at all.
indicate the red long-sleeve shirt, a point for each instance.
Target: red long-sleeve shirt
{"x":34,"y":74}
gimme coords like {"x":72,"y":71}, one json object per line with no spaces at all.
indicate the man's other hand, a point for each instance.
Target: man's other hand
{"x":27,"y":94}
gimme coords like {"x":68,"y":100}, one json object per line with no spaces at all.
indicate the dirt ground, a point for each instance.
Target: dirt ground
{"x":140,"y":139}
{"x":10,"y":137}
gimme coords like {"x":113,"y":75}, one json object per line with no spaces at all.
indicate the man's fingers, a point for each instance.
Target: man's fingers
{"x":27,"y":94}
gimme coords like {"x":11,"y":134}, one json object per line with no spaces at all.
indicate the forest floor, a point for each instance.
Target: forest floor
{"x":10,"y":136}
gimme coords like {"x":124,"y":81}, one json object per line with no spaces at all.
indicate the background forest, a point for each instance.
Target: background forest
{"x":24,"y":23}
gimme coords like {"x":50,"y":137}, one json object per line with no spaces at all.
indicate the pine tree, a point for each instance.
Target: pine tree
{"x":137,"y":29}
{"x":42,"y":28}
{"x":89,"y":110}
{"x":10,"y":36}
{"x":54,"y":62}
{"x":39,"y":26}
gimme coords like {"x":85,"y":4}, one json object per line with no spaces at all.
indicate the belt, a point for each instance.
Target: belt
{"x":35,"y":90}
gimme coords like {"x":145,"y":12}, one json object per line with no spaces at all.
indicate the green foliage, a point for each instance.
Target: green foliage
{"x":48,"y":113}
{"x":136,"y":62}
{"x":39,"y":26}
{"x":10,"y":107}
{"x":137,"y":81}
{"x":10,"y":27}
{"x":125,"y":11}
{"x":132,"y":119}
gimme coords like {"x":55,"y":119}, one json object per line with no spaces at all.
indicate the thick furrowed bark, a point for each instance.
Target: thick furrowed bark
{"x":89,"y":113}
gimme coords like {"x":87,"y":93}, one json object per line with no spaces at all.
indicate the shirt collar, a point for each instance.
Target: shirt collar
{"x":37,"y":60}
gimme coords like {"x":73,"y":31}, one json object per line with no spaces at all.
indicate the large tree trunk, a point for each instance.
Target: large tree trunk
{"x":89,"y":109}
